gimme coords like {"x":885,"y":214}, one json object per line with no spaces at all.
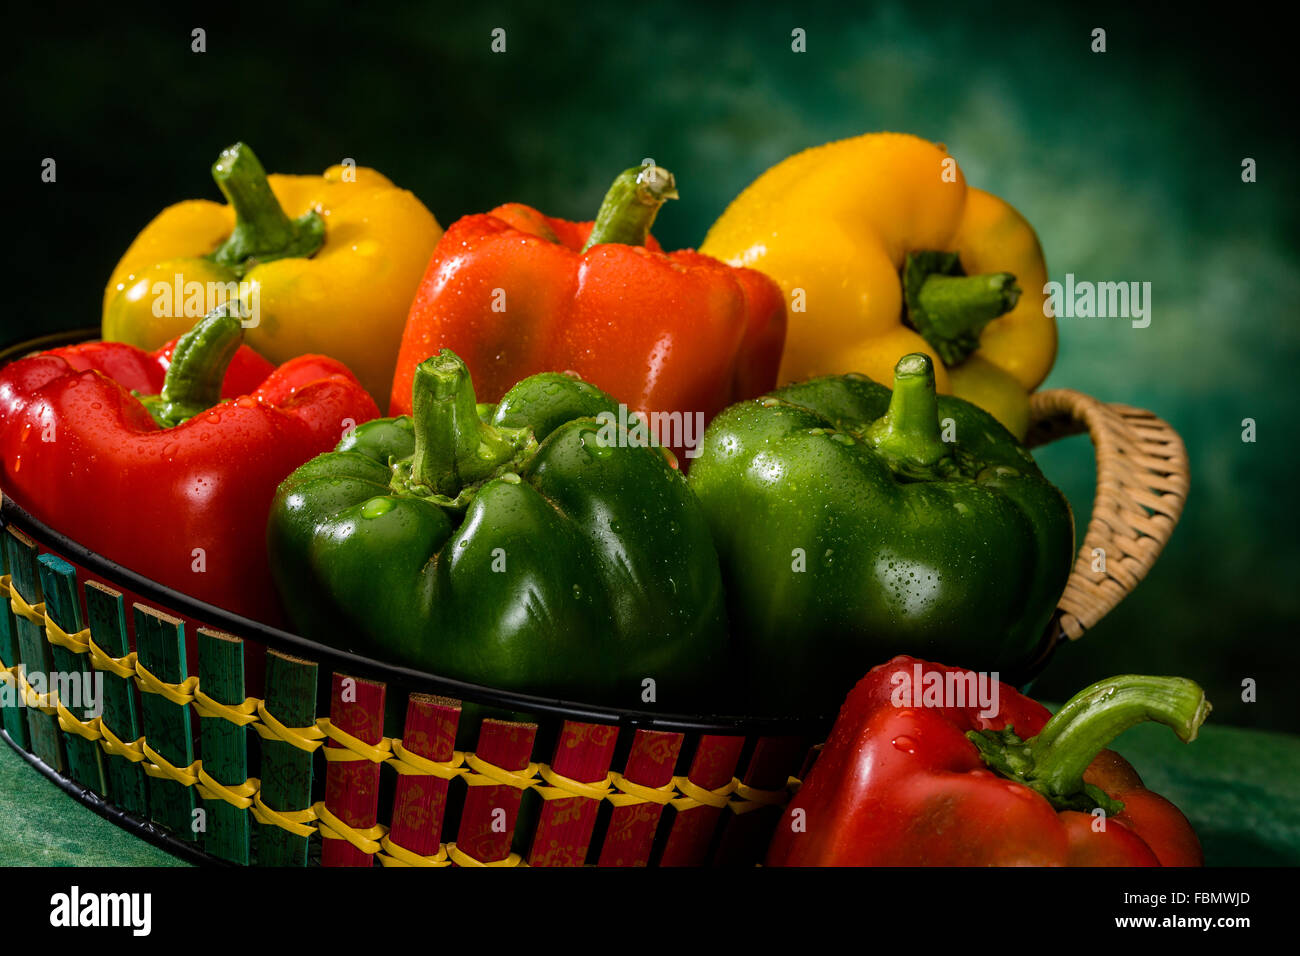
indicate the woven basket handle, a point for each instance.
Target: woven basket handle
{"x":1142,"y":481}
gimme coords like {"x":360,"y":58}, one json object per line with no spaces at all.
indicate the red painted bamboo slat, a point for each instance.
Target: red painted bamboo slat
{"x":352,"y":786}
{"x":564,"y":825}
{"x":420,"y":802}
{"x":487,"y":824}
{"x":692,"y":830}
{"x":746,"y":835}
{"x":631,"y":832}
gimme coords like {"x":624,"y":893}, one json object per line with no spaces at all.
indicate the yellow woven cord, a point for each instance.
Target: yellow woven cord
{"x":751,"y":798}
{"x":405,"y":762}
{"x":268,"y":728}
{"x":239,"y":796}
{"x":490,"y":775}
{"x":32,"y":612}
{"x":297,"y":822}
{"x":394,"y":854}
{"x":353,"y":748}
{"x":123,"y":667}
{"x":696,"y":795}
{"x":78,"y":643}
{"x":332,"y":828}
{"x":562,"y":787}
{"x":179,"y":694}
{"x":70,"y":722}
{"x":134,"y":751}
{"x":628,"y":793}
{"x":239,"y":714}
{"x":47,"y":703}
{"x":156,"y":765}
{"x":461,"y":858}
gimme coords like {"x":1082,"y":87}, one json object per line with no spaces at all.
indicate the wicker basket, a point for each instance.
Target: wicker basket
{"x":224,"y":740}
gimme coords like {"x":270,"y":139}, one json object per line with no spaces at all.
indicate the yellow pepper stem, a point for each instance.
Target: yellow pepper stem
{"x":262,"y":231}
{"x":949,"y":308}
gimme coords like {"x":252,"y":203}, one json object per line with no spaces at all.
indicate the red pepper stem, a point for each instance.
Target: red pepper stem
{"x":198,"y":367}
{"x":1053,"y":762}
{"x":908,"y":435}
{"x":454,"y":447}
{"x":1095,"y":716}
{"x":631,"y":205}
{"x":262,"y":231}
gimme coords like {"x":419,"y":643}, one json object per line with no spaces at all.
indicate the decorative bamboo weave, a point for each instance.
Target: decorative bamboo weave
{"x":1142,"y":482}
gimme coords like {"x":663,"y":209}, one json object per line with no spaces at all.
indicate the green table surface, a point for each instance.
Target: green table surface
{"x":1240,"y":788}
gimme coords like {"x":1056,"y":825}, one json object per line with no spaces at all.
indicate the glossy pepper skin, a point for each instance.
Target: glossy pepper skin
{"x":332,"y":262}
{"x":516,"y":545}
{"x":515,"y":293}
{"x":849,"y":529}
{"x":838,"y":222}
{"x":912,"y":776}
{"x":190,"y":462}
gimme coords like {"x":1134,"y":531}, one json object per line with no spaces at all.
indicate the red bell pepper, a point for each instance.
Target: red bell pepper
{"x":919,"y":771}
{"x":514,"y":292}
{"x":129,"y":453}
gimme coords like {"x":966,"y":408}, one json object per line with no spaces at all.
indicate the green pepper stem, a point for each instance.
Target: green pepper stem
{"x":631,"y":205}
{"x":951,"y":309}
{"x":262,"y":231}
{"x":198,"y":367}
{"x":908,"y":434}
{"x":1053,"y":762}
{"x":454,"y":447}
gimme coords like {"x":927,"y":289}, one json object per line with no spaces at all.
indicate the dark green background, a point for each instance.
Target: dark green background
{"x":1128,"y":163}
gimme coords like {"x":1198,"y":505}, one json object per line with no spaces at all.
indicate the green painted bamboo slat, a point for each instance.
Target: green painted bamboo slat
{"x":33,"y":651}
{"x":78,"y":690}
{"x":224,"y":744}
{"x":11,"y":714}
{"x":160,"y":644}
{"x":124,"y":780}
{"x":286,"y":771}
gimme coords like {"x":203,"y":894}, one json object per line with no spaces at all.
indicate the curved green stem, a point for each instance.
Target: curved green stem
{"x":262,"y":231}
{"x":631,"y":205}
{"x":1053,"y":763}
{"x":198,"y":368}
{"x":950,"y":309}
{"x":908,"y":434}
{"x":454,"y":447}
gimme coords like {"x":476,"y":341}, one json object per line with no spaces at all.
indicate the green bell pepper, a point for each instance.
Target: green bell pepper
{"x":529,"y":546}
{"x":854,"y":524}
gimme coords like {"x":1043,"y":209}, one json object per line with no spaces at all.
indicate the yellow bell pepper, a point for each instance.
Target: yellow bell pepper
{"x":855,"y":232}
{"x":336,"y":280}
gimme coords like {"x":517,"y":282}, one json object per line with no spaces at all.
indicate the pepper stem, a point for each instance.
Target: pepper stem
{"x":454,"y":447}
{"x":630,"y":206}
{"x":949,"y":308}
{"x":262,"y":231}
{"x":908,"y":434}
{"x":198,"y":367}
{"x":1053,"y":763}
